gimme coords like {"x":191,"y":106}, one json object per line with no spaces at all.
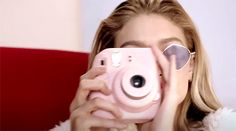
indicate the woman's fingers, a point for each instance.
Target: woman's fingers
{"x":86,"y":86}
{"x":95,"y":104}
{"x":168,"y":68}
{"x":85,"y":124}
{"x":161,"y":60}
{"x":172,"y":72}
{"x":81,"y":108}
{"x":93,"y":72}
{"x":176,"y":92}
{"x":81,"y":118}
{"x":106,"y":123}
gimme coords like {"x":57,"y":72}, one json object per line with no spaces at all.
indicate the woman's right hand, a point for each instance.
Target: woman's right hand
{"x":81,"y":107}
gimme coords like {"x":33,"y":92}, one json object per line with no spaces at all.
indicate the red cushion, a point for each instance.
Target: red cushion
{"x":37,"y":86}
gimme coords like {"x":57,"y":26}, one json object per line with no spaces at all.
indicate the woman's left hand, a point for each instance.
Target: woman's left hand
{"x":173,"y":94}
{"x":173,"y":88}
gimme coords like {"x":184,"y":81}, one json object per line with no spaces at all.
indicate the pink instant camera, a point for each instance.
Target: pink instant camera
{"x":132,"y":76}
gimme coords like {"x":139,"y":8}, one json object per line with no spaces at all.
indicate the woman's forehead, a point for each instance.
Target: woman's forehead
{"x":149,"y":29}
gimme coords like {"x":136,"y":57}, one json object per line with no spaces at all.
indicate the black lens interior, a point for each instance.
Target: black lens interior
{"x":137,"y":81}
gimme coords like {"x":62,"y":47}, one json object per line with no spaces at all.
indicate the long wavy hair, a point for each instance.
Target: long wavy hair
{"x":200,"y":99}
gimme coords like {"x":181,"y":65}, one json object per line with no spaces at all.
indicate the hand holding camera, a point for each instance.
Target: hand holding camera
{"x":131,"y":75}
{"x":125,"y":81}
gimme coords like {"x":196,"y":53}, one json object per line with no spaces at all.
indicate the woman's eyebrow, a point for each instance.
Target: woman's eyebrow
{"x":163,"y":43}
{"x":168,"y":40}
{"x":133,"y":42}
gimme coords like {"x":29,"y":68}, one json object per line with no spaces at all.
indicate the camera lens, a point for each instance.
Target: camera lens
{"x":137,"y":81}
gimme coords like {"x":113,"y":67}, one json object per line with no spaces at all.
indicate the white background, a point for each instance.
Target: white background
{"x":54,"y":24}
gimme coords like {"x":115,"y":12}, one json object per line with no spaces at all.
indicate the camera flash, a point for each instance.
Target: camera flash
{"x":116,"y":58}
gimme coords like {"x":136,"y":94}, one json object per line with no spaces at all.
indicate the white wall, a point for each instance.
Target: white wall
{"x":54,"y":24}
{"x":47,"y":24}
{"x":94,"y":11}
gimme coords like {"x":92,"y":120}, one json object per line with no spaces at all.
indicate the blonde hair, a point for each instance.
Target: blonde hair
{"x":200,"y":99}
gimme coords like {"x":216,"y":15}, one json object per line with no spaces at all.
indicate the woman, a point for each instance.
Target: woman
{"x":188,"y":96}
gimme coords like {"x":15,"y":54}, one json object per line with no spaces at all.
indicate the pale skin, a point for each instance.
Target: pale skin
{"x":152,"y":31}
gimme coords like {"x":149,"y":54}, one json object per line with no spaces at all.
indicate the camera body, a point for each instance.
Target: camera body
{"x":132,"y":76}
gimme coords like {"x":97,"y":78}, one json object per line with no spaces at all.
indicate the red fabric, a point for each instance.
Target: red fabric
{"x":37,"y":86}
